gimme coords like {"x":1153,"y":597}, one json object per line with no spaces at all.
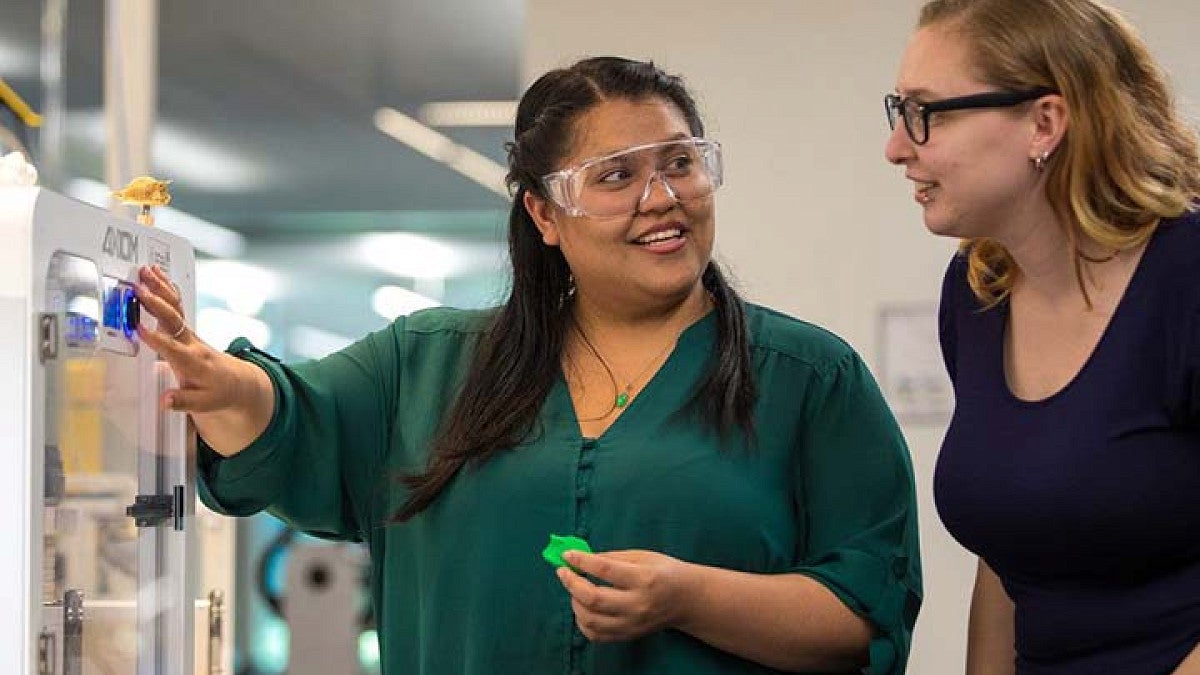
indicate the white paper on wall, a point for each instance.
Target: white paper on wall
{"x":912,"y":374}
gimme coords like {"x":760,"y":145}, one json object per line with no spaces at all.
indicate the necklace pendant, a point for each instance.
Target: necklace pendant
{"x":622,"y":399}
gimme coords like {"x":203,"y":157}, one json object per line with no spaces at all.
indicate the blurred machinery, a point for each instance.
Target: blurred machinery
{"x":109,"y":568}
{"x":319,"y":589}
{"x":324,"y":607}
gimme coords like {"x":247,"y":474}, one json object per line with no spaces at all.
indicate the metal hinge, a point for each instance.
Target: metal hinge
{"x":47,"y":337}
{"x":152,"y":510}
{"x":216,"y":621}
{"x":46,"y":651}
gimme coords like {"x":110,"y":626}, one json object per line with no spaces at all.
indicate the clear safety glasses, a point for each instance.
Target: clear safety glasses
{"x":617,"y":184}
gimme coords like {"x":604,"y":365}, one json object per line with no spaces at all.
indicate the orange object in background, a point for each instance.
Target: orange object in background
{"x":81,"y":422}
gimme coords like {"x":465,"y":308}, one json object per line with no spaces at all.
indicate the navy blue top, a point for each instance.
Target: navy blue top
{"x":1086,"y":503}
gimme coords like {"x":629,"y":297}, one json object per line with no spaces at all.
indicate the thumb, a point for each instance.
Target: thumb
{"x":189,"y":400}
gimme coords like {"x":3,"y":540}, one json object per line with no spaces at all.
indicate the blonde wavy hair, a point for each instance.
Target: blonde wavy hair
{"x":1128,"y":159}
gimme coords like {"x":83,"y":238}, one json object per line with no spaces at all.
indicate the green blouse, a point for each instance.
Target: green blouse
{"x":826,"y":490}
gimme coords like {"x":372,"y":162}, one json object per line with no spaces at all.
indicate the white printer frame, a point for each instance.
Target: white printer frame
{"x":40,"y":628}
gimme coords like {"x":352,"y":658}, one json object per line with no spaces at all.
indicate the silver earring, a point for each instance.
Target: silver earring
{"x":1039,"y":162}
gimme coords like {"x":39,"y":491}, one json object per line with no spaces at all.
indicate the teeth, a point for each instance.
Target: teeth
{"x":923,"y":192}
{"x":662,"y":235}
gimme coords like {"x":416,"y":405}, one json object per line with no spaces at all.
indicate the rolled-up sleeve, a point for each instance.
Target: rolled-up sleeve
{"x":857,"y":495}
{"x":317,"y":464}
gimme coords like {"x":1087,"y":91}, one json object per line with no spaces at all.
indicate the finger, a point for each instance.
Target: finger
{"x":188,"y":400}
{"x":164,"y":292}
{"x":583,"y":622}
{"x":598,"y":599}
{"x":176,"y":354}
{"x":598,"y":627}
{"x":151,"y":296}
{"x":575,"y":584}
{"x":155,"y":281}
{"x":163,"y":285}
{"x":169,"y":318}
{"x":619,"y":573}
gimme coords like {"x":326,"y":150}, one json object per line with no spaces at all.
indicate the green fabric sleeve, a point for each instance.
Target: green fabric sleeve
{"x":240,"y":485}
{"x":318,"y":463}
{"x":857,"y":486}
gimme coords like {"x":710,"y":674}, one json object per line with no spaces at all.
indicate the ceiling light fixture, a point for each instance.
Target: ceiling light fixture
{"x":469,"y":113}
{"x":244,"y":288}
{"x":16,"y":61}
{"x":410,"y":255}
{"x":219,"y":327}
{"x":393,"y":301}
{"x":442,"y":148}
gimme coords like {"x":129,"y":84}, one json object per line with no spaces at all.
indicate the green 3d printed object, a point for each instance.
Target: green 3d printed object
{"x":559,"y":545}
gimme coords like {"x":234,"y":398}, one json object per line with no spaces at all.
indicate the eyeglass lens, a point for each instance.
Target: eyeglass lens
{"x":912,"y":114}
{"x":618,"y":184}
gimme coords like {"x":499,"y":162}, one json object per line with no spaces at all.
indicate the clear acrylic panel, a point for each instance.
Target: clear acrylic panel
{"x":104,"y":586}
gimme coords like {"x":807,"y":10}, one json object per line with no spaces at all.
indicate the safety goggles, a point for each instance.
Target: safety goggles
{"x":617,"y":184}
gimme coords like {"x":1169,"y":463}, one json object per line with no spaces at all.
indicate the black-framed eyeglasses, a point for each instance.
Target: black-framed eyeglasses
{"x":916,"y":114}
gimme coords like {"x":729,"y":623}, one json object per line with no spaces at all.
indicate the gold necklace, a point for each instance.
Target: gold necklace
{"x":623,"y":394}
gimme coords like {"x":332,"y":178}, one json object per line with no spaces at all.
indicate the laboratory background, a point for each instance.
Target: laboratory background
{"x":334,"y":165}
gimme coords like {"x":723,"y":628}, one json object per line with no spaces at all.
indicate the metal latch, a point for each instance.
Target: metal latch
{"x":152,"y":510}
{"x":73,"y":632}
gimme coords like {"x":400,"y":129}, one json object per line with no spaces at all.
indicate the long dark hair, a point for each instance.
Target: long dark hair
{"x":517,"y":358}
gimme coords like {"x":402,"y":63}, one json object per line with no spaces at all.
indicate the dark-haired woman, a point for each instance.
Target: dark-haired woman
{"x":746,"y":489}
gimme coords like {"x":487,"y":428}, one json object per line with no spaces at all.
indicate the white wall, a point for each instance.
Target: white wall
{"x":812,"y":221}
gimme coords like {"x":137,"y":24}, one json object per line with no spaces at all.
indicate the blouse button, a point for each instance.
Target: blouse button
{"x":582,"y":492}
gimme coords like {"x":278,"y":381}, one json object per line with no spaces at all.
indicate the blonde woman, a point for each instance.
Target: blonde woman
{"x":1043,"y":135}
